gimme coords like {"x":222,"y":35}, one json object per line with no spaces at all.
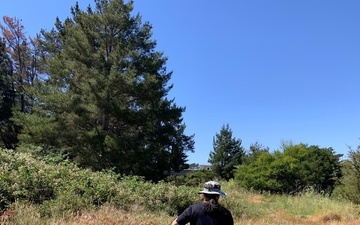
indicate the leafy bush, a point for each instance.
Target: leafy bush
{"x":158,"y":197}
{"x":194,"y":178}
{"x":297,"y":168}
{"x":350,"y":182}
{"x":60,"y":188}
{"x":23,"y":178}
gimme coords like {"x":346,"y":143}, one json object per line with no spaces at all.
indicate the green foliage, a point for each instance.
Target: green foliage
{"x":193,"y":178}
{"x":235,"y":200}
{"x":297,"y":168}
{"x":255,"y":150}
{"x":68,"y":190}
{"x":227,"y":153}
{"x":349,"y":187}
{"x":43,"y":153}
{"x":19,"y":66}
{"x":80,"y":190}
{"x":8,"y":132}
{"x":23,"y":178}
{"x":59,"y":187}
{"x":246,"y":207}
{"x":258,"y":175}
{"x":105,"y":97}
{"x":154,"y":197}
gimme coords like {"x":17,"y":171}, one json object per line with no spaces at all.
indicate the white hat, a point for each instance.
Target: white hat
{"x":212,"y":188}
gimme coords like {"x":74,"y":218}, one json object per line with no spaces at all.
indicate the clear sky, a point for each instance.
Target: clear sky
{"x":274,"y":70}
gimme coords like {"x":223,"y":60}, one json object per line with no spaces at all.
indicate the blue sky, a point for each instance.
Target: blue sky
{"x":279,"y":70}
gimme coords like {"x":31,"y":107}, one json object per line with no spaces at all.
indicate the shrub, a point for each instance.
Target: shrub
{"x":194,"y":178}
{"x":60,"y":188}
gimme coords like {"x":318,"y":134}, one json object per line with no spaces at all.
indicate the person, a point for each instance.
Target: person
{"x":207,"y":212}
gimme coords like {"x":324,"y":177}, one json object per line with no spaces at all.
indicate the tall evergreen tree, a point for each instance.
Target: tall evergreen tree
{"x":8,"y":138}
{"x":18,"y":71}
{"x":227,"y":153}
{"x":23,"y":66}
{"x":105,"y":96}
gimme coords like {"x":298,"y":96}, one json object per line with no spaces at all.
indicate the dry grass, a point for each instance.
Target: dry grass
{"x":255,"y":209}
{"x":281,"y":218}
{"x":107,"y":215}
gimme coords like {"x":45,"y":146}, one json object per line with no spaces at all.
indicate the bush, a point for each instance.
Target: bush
{"x":60,"y":188}
{"x":157,"y":197}
{"x":194,"y":178}
{"x":292,"y":171}
{"x":24,"y":178}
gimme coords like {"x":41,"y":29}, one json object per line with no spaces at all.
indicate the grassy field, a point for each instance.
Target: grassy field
{"x":64,"y":194}
{"x":248,"y":208}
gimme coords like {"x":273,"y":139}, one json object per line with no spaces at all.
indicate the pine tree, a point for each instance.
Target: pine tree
{"x":105,"y":96}
{"x":7,"y":101}
{"x":18,"y":73}
{"x":227,"y":153}
{"x":23,"y":66}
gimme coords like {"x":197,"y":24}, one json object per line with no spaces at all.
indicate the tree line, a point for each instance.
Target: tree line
{"x":293,"y":169}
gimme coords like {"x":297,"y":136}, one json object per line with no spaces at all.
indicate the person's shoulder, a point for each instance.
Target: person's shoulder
{"x":226,"y":211}
{"x":197,"y":206}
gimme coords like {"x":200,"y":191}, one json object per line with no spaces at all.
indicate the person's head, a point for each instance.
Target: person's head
{"x":212,"y":188}
{"x":211,"y":193}
{"x":208,"y":197}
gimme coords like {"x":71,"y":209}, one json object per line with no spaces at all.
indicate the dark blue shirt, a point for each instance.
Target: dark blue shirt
{"x":196,"y":215}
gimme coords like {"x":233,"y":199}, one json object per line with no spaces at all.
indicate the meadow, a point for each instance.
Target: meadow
{"x":247,"y":207}
{"x":50,"y":191}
